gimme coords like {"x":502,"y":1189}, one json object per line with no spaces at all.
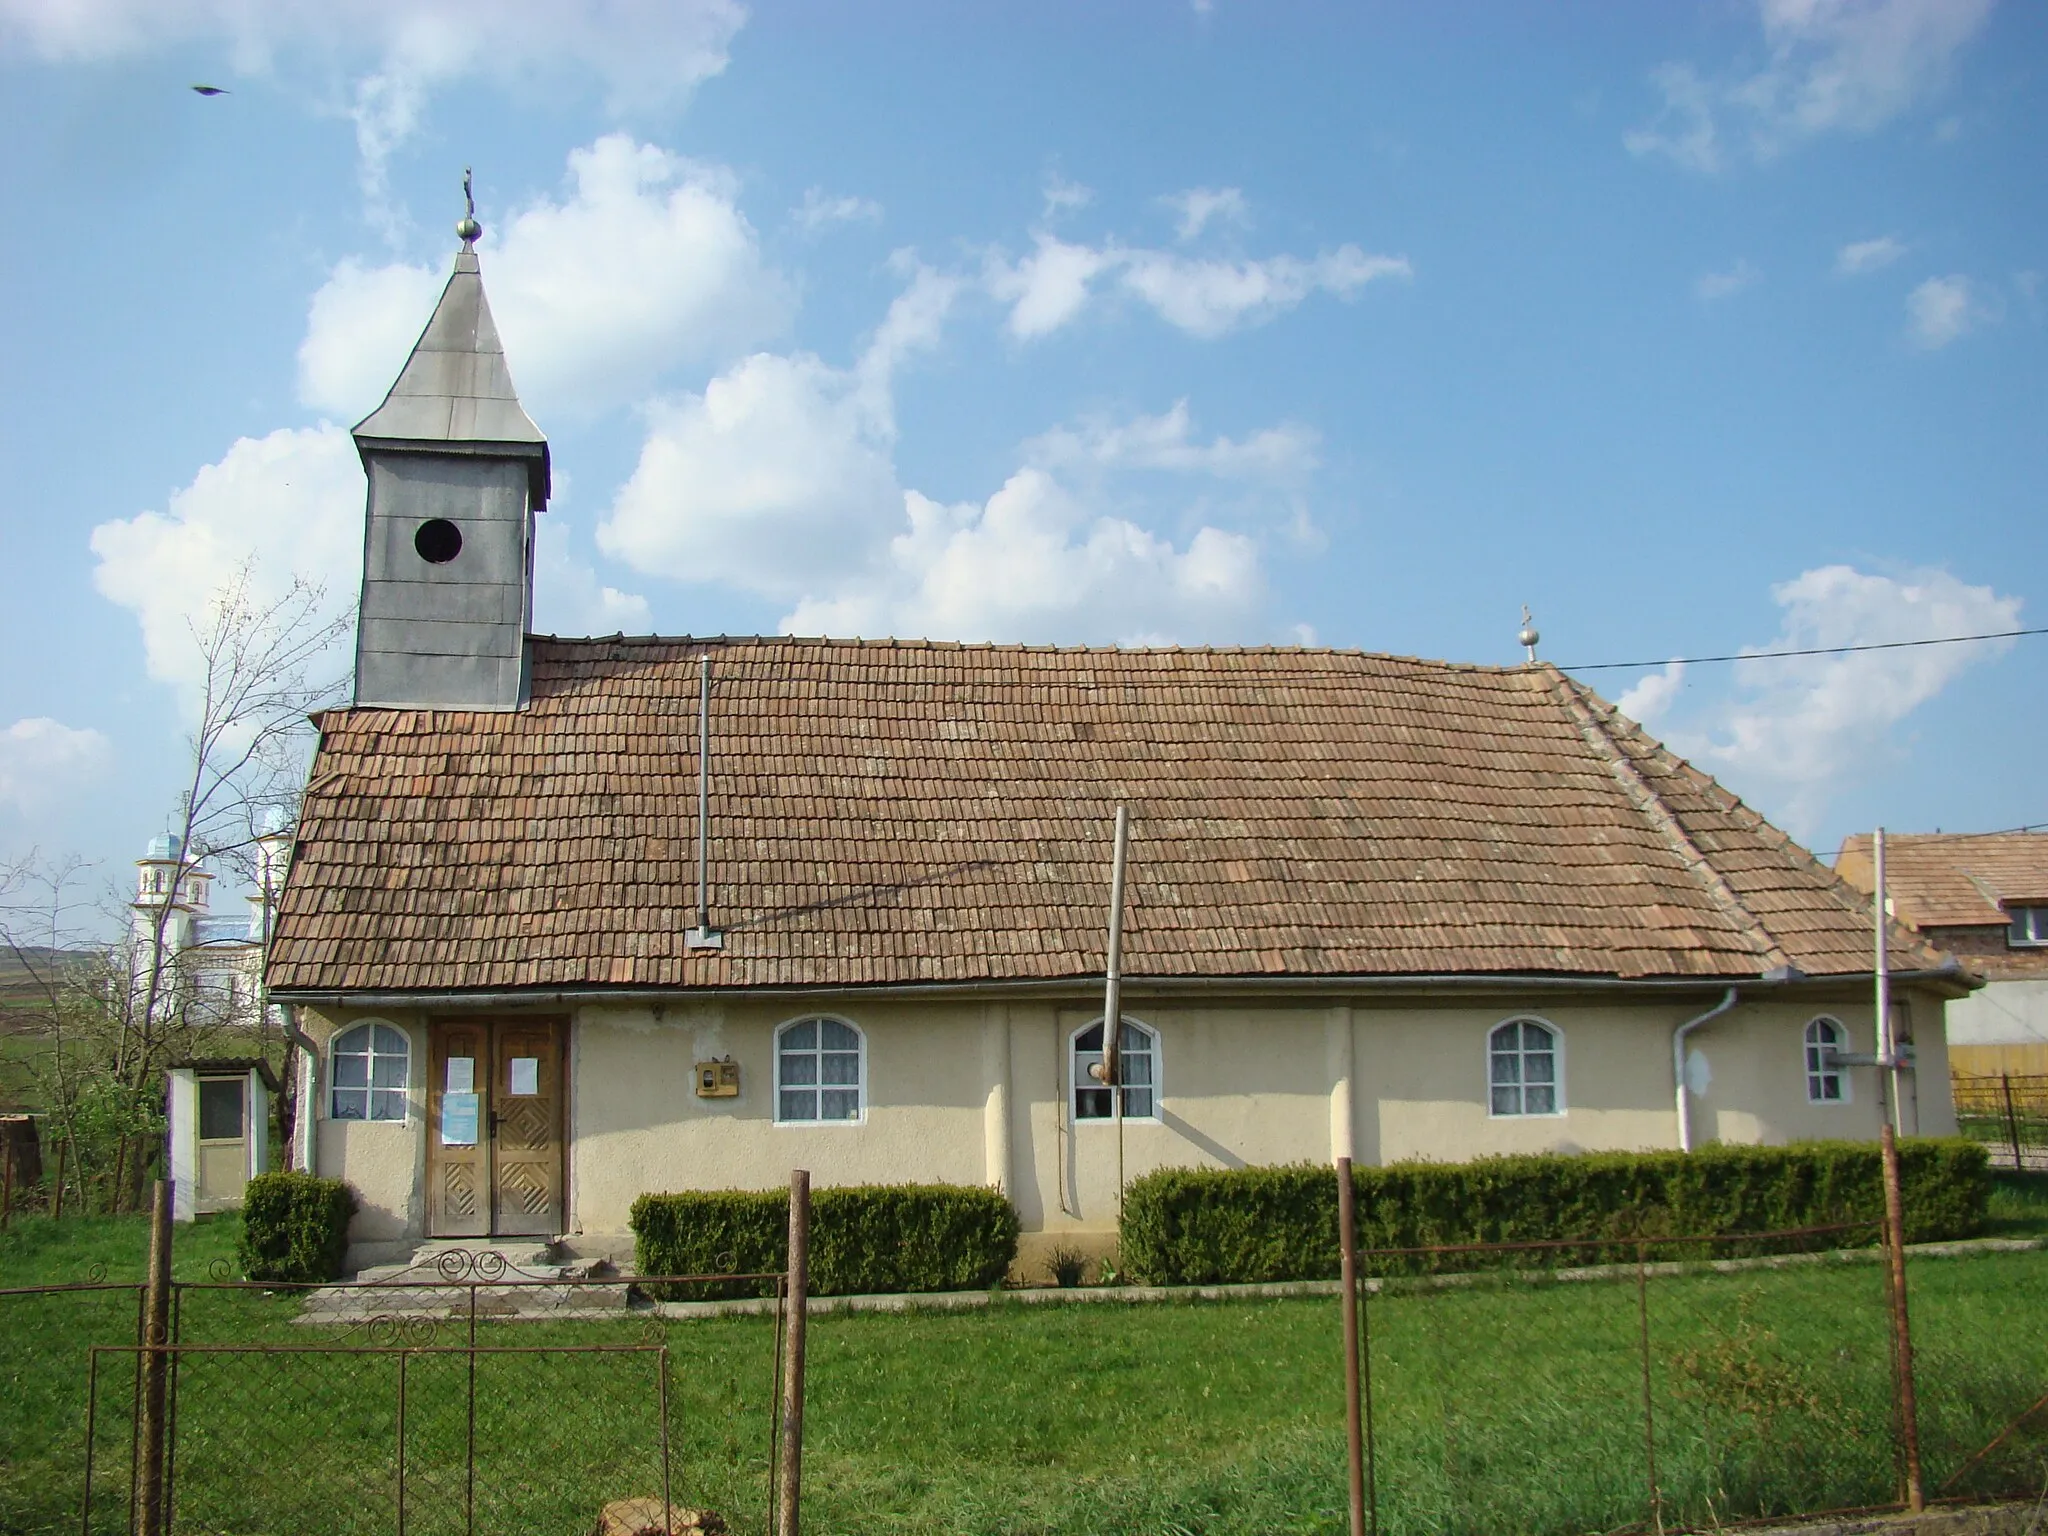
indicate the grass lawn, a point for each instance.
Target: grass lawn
{"x":2019,"y":1204}
{"x":1510,"y":1405}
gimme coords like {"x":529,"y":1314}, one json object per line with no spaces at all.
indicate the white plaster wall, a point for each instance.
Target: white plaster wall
{"x":638,"y":1125}
{"x":2002,"y":1013}
{"x":384,"y":1161}
{"x":975,"y":1092}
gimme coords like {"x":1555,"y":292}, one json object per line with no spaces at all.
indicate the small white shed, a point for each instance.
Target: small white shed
{"x":219,"y":1115}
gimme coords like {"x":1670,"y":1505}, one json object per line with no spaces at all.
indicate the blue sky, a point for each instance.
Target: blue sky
{"x":1696,"y":328}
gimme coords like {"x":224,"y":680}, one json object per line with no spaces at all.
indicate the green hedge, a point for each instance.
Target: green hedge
{"x":294,"y":1227}
{"x":866,"y":1240}
{"x":1225,"y":1226}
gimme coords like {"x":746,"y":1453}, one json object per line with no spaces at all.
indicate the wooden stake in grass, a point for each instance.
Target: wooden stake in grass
{"x":789,"y":1515}
{"x":156,"y":1338}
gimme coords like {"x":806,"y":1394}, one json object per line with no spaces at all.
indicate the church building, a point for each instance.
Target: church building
{"x":575,"y":919}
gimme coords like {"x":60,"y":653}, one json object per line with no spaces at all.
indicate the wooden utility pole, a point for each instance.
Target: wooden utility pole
{"x":156,"y":1338}
{"x":1894,"y":1195}
{"x":789,"y":1514}
{"x":1354,"y":1414}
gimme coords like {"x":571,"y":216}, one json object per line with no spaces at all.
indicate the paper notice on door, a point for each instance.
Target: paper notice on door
{"x":462,"y":1074}
{"x":525,"y":1076}
{"x":458,"y":1119}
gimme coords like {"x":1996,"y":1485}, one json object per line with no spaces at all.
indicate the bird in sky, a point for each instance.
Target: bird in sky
{"x":211,"y":90}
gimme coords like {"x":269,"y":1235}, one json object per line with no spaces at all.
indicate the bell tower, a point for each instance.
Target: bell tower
{"x":457,"y":470}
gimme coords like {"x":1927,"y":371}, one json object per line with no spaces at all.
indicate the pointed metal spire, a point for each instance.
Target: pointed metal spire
{"x":456,"y":387}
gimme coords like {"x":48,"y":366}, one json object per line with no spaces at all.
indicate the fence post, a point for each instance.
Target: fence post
{"x":156,"y":1334}
{"x":2012,"y":1121}
{"x":6,"y":1179}
{"x":789,"y":1511}
{"x":1354,"y":1417}
{"x":57,"y":1188}
{"x":1902,"y":1336}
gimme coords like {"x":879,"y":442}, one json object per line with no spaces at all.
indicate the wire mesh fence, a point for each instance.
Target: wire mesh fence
{"x":499,"y":1401}
{"x":1610,"y":1383}
{"x":380,"y":1439}
{"x":1538,"y":1394}
{"x":2008,"y":1113}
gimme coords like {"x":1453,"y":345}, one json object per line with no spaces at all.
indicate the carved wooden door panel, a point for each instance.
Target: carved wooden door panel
{"x":458,"y":1135}
{"x":526,"y":1129}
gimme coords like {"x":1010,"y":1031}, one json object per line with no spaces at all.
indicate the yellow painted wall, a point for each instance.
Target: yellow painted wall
{"x":976,"y":1091}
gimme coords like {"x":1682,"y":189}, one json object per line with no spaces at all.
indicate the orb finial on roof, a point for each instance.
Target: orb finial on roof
{"x":467,"y":226}
{"x":1528,"y":637}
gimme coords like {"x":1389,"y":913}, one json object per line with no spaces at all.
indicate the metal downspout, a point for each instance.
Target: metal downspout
{"x":1678,"y":1063}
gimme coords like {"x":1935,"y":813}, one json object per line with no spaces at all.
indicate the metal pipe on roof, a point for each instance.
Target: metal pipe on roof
{"x":705,"y":936}
{"x":1678,"y":1035}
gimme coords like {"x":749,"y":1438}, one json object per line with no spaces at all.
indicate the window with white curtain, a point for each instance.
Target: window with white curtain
{"x":1522,"y":1069}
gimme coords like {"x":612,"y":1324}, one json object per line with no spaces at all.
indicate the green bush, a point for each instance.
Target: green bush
{"x":1227,"y":1226}
{"x":294,"y":1227}
{"x":865,"y":1240}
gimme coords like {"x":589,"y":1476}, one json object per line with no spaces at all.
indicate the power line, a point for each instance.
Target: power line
{"x":1818,"y":650}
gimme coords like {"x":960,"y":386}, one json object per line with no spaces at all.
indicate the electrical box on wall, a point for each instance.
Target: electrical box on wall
{"x":718,"y":1079}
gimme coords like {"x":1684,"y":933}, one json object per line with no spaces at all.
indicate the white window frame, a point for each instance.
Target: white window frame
{"x":2036,"y":920}
{"x":860,"y":1087}
{"x":1556,"y":1070}
{"x":1815,"y":1079}
{"x":370,"y":1087}
{"x":1076,"y":1082}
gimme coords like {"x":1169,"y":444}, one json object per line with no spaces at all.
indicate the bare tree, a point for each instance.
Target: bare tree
{"x":115,"y":1019}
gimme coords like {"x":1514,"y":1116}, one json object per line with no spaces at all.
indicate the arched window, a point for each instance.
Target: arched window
{"x":372,"y":1071}
{"x":820,"y":1072}
{"x":1138,"y":1047}
{"x":1826,"y":1083}
{"x":1522,"y":1069}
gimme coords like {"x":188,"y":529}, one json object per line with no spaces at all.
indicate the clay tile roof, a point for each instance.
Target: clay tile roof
{"x":1949,"y":879}
{"x":892,"y":812}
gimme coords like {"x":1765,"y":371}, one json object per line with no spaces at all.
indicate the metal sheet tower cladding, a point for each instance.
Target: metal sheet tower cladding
{"x":457,"y":470}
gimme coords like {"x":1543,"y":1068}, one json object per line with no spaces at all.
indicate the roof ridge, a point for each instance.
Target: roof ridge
{"x":1014,"y":647}
{"x":1661,"y":816}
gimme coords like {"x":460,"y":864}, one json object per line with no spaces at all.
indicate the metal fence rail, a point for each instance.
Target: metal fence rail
{"x":2008,"y":1113}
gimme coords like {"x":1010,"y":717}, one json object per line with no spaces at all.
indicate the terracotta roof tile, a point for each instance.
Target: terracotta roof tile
{"x":890,"y":812}
{"x":1947,"y":879}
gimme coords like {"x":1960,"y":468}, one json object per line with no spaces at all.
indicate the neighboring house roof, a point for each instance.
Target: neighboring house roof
{"x":903,"y":812}
{"x":1952,"y":879}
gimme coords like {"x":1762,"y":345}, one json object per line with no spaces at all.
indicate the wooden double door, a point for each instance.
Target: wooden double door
{"x":496,"y":1110}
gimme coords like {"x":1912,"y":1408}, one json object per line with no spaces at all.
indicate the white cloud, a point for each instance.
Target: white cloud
{"x":1834,"y":66}
{"x":1197,"y":206}
{"x":44,"y":762}
{"x":1282,"y":454}
{"x":294,"y":499}
{"x":1034,"y":563}
{"x":1208,"y":298}
{"x":1049,"y":287}
{"x":1803,"y":725}
{"x":779,"y":479}
{"x":775,"y":477}
{"x":402,"y":50}
{"x":780,"y":473}
{"x":359,"y":330}
{"x":1722,"y":285}
{"x":1944,"y":308}
{"x":1204,"y":298}
{"x":1861,"y":256}
{"x":819,"y":211}
{"x":1652,"y":697}
{"x":1064,"y":196}
{"x":643,"y":264}
{"x":568,"y":597}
